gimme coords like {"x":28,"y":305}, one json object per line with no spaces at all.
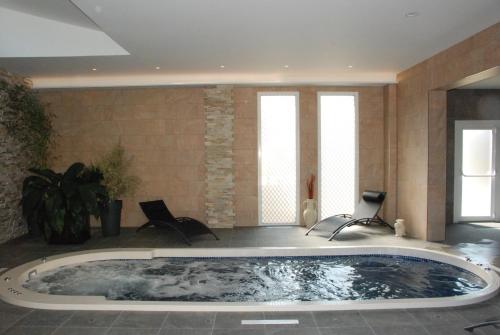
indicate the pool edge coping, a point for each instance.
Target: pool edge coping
{"x":12,"y":292}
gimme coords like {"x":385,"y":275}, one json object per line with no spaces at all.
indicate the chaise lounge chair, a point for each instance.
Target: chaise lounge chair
{"x":365,"y":212}
{"x":160,"y":217}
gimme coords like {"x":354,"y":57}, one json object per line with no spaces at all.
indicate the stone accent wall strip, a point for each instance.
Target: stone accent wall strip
{"x":219,"y":119}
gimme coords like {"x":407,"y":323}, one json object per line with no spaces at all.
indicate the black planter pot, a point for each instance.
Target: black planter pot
{"x":111,"y":215}
{"x":72,"y":233}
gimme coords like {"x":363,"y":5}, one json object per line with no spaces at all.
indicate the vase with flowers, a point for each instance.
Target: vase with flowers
{"x":310,"y":208}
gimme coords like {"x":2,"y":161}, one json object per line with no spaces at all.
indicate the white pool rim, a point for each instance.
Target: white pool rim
{"x":12,"y":291}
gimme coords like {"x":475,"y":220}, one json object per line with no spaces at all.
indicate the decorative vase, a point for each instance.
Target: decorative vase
{"x":310,"y":212}
{"x":110,"y":218}
{"x":399,"y":228}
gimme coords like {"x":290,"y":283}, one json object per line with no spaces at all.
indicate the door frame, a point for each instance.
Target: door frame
{"x":460,"y":125}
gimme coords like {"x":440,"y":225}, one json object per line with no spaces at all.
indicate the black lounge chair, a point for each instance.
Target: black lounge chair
{"x":160,"y":217}
{"x":366,"y":212}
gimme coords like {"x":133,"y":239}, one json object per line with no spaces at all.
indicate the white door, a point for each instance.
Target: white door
{"x":477,"y":189}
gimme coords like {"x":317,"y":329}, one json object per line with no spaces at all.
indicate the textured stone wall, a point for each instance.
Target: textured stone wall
{"x":371,"y":141}
{"x":13,"y":170}
{"x":390,"y":152}
{"x":162,"y":130}
{"x":219,"y":117}
{"x":422,"y":129}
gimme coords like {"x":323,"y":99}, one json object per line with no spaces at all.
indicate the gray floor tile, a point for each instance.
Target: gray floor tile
{"x":336,"y":319}
{"x":189,"y":320}
{"x":292,"y":331}
{"x":346,"y":331}
{"x":437,"y":316}
{"x":133,"y":331}
{"x":386,"y":318}
{"x":45,"y":318}
{"x":450,"y":329}
{"x":479,"y":313}
{"x":140,"y":320}
{"x":235,"y":331}
{"x":400,"y":330}
{"x":21,"y":330}
{"x":233,"y":320}
{"x":81,"y":331}
{"x":305,"y":318}
{"x":8,"y":317}
{"x":185,"y":331}
{"x":92,"y":319}
{"x":490,"y":330}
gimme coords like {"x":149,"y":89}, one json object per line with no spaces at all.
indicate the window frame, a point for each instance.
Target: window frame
{"x":356,"y":145}
{"x":297,"y":154}
{"x":461,"y":125}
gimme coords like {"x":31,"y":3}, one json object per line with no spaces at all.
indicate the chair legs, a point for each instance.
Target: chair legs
{"x":312,"y":228}
{"x":147,"y":224}
{"x":495,"y":323}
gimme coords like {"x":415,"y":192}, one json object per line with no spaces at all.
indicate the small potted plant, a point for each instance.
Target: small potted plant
{"x":114,"y":167}
{"x":61,"y":204}
{"x":310,"y":212}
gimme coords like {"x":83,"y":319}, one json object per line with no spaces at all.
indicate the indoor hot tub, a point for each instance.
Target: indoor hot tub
{"x":249,"y":279}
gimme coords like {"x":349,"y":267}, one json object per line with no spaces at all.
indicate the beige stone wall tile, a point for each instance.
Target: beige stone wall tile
{"x":420,"y":141}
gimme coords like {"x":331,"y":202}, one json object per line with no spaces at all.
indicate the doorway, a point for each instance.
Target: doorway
{"x":477,"y":156}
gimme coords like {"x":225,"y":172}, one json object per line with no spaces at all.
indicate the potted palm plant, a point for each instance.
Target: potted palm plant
{"x":61,"y":204}
{"x":119,"y":183}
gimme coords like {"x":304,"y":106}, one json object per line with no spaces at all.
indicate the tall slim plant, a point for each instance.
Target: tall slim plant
{"x":115,"y":168}
{"x":119,"y":183}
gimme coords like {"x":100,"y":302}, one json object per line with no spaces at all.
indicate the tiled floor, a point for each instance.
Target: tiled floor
{"x":480,"y":242}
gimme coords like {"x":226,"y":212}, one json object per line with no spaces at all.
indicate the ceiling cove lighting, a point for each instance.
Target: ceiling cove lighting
{"x":222,"y":66}
{"x":94,"y":69}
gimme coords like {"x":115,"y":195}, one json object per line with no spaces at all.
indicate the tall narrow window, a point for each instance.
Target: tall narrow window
{"x":337,"y":165}
{"x":477,"y":172}
{"x":278,"y":168}
{"x":477,"y":186}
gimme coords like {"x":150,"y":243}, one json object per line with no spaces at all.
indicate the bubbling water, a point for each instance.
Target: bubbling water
{"x":262,"y":279}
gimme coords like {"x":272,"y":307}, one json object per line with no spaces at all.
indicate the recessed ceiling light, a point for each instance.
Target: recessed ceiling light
{"x":157,"y":67}
{"x":285,"y":66}
{"x":222,"y":66}
{"x":350,"y":66}
{"x":412,"y":14}
{"x":94,"y":69}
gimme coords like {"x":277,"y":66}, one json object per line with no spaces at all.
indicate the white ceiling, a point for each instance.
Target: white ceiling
{"x":37,"y":36}
{"x":58,"y":10}
{"x":254,"y":40}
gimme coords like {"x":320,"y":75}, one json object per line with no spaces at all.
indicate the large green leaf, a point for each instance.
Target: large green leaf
{"x":52,"y":176}
{"x":73,"y":171}
{"x":62,"y":202}
{"x":32,"y":199}
{"x":89,"y":198}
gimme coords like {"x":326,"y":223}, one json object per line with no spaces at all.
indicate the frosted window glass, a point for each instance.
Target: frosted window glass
{"x":477,"y":152}
{"x":278,"y":159}
{"x":338,"y":154}
{"x":476,"y":196}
